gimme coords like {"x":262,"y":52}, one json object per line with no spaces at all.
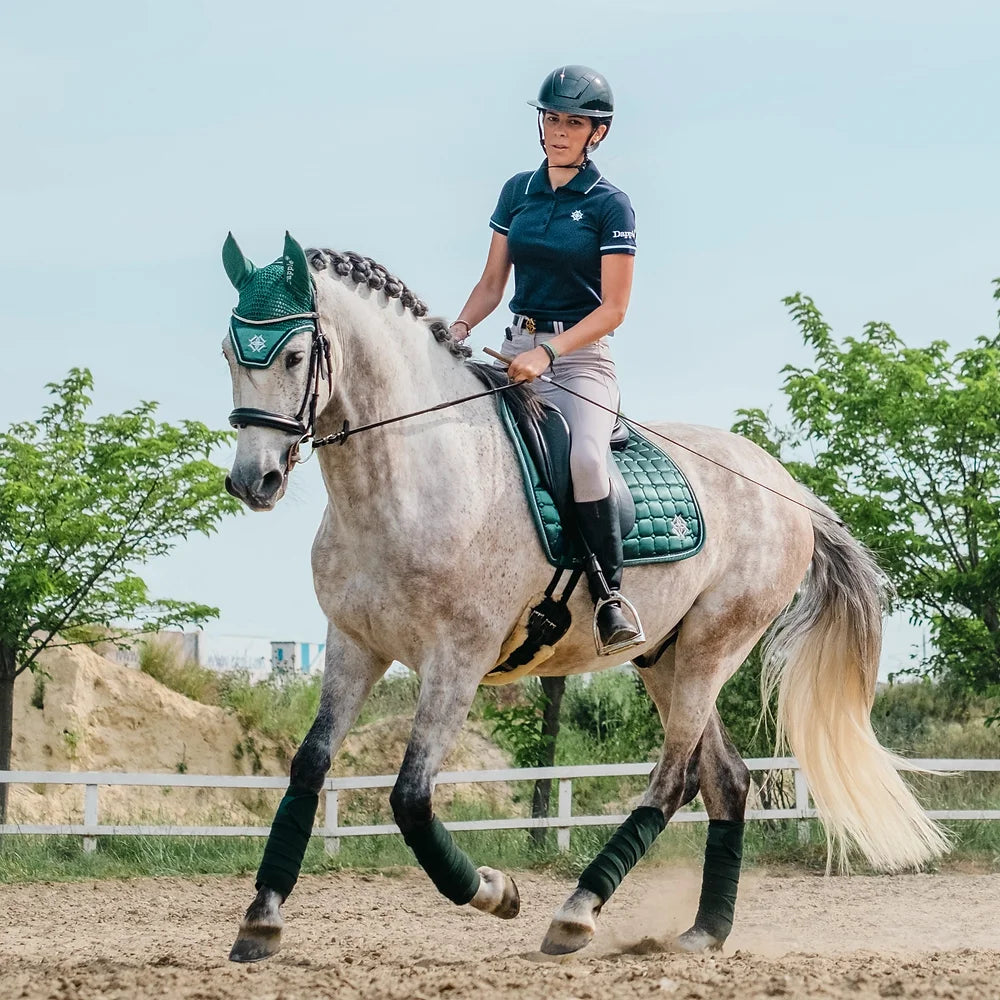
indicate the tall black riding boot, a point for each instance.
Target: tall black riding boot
{"x":601,"y":530}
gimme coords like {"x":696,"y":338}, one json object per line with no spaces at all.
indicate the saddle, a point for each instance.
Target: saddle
{"x":661,"y":517}
{"x":548,"y":440}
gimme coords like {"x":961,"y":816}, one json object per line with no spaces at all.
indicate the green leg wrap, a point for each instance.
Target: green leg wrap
{"x":630,"y":842}
{"x":288,"y":840}
{"x":721,"y":877}
{"x":448,"y":867}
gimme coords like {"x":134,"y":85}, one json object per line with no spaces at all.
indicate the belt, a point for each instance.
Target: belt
{"x":531,"y":325}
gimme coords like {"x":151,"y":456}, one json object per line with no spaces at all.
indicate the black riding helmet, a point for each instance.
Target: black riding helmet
{"x":576,"y":90}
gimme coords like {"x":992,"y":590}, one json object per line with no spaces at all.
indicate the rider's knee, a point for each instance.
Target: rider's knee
{"x":588,"y":465}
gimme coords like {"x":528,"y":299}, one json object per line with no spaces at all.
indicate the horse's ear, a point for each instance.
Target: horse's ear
{"x":237,"y":266}
{"x":297,"y":270}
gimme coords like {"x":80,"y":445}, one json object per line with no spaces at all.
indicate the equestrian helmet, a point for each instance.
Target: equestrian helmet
{"x":576,"y":89}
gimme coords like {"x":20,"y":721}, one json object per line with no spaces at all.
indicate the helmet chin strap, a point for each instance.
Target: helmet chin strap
{"x":572,"y":166}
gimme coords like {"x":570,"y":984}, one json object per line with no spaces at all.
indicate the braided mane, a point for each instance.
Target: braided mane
{"x":365,"y":271}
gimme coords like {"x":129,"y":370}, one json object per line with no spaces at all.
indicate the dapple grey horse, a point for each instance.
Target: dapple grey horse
{"x":426,"y":553}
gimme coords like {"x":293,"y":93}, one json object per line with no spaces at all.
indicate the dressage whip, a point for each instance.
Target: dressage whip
{"x":346,"y":431}
{"x":649,"y":430}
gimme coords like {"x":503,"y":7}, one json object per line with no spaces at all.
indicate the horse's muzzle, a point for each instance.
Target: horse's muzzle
{"x":258,"y":492}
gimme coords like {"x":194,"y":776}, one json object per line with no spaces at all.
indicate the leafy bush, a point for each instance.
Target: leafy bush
{"x":281,"y":708}
{"x":167,"y":664}
{"x":613,"y":716}
{"x":517,"y":727}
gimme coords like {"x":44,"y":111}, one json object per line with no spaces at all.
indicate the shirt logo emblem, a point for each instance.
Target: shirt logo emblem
{"x":624,"y":234}
{"x":576,"y":215}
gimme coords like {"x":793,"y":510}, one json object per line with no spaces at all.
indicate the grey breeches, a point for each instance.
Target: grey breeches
{"x":590,"y":372}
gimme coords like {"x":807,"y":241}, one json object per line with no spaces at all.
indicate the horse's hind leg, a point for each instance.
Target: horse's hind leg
{"x":725,"y":782}
{"x":684,"y":688}
{"x":348,"y":679}
{"x":445,"y":698}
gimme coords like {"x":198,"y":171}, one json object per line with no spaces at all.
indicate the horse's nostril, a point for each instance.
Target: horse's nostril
{"x":271,"y":483}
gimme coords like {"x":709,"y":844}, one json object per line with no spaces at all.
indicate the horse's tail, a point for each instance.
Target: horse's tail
{"x":823,"y":656}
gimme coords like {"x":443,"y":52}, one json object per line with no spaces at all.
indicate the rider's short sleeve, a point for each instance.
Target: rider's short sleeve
{"x":501,"y":218}
{"x":617,"y":225}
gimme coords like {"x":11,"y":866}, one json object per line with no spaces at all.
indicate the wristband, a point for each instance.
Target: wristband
{"x":550,"y":351}
{"x":468,"y":329}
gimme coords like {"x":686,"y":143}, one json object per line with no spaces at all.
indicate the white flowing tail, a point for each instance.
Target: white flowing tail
{"x":823,"y":656}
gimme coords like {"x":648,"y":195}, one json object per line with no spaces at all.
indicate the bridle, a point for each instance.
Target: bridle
{"x":320,"y":369}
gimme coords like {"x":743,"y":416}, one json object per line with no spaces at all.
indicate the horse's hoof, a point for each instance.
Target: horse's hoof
{"x":574,"y":924}
{"x":563,"y":938}
{"x":259,"y":936}
{"x":497,"y":894}
{"x":697,"y":942}
{"x":254,"y":944}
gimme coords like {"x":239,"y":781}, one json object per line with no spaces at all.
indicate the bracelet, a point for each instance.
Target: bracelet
{"x":468,"y":329}
{"x":550,"y":351}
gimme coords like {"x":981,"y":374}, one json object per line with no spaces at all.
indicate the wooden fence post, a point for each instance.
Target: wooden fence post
{"x":565,"y":811}
{"x":332,"y":844}
{"x":90,"y":816}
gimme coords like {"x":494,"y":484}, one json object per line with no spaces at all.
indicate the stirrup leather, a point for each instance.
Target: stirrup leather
{"x":629,"y":607}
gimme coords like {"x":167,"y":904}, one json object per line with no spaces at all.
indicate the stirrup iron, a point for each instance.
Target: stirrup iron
{"x":627,"y":606}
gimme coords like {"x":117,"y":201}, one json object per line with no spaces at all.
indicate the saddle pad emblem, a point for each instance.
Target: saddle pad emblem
{"x":669,"y":524}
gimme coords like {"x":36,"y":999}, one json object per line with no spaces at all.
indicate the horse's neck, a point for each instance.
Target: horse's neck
{"x":388,"y":365}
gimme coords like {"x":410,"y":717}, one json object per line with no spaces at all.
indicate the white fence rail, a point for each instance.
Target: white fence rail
{"x":331,"y":831}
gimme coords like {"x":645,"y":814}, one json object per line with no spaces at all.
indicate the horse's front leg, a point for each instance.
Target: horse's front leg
{"x":350,"y":673}
{"x":445,"y":698}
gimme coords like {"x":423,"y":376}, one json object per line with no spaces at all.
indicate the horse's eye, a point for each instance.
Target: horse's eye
{"x":293,"y":358}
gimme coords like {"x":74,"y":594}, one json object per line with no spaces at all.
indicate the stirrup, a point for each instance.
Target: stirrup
{"x":617,"y":647}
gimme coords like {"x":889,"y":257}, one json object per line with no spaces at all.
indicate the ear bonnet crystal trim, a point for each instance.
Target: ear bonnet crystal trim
{"x":258,"y":343}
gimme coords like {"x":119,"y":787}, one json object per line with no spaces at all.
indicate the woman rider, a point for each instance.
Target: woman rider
{"x":570,"y":237}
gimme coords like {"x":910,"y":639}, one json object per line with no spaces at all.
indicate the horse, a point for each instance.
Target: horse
{"x":426,"y":554}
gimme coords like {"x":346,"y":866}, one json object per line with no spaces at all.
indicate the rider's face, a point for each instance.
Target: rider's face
{"x":566,"y":137}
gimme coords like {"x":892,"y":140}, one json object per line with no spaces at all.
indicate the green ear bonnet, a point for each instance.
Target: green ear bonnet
{"x":276,"y":302}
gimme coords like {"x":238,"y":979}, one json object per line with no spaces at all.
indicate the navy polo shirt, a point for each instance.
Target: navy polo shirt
{"x":556,"y":239}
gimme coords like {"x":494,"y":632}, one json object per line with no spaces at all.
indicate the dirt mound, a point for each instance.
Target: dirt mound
{"x":86,"y":713}
{"x":83,"y":712}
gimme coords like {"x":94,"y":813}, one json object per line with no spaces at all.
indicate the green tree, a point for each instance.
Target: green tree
{"x":906,"y":448}
{"x":82,"y":505}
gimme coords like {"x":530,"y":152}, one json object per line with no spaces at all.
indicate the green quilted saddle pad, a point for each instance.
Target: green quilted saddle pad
{"x":668,"y":520}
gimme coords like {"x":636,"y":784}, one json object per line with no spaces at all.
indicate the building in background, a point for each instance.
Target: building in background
{"x":257,"y":656}
{"x":297,"y":657}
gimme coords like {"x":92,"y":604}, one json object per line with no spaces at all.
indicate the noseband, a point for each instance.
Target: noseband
{"x":320,"y":369}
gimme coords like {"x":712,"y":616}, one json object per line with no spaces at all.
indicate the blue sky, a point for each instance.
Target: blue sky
{"x":846,"y":150}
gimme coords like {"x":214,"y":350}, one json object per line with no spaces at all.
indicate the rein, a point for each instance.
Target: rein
{"x":321,"y":367}
{"x":347,"y":430}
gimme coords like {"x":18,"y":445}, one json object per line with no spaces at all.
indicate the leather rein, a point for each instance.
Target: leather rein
{"x":321,"y":369}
